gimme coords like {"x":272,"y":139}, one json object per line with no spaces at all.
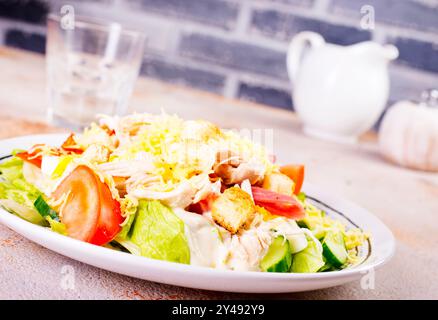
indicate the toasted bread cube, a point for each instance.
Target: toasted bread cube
{"x":279,"y":183}
{"x":234,"y":209}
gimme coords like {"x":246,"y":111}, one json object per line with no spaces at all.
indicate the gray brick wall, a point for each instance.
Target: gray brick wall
{"x":238,"y":48}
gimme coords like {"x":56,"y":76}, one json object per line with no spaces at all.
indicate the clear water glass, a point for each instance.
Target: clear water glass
{"x":91,"y":69}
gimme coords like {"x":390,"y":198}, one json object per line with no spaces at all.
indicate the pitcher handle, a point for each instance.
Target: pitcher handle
{"x":296,"y":50}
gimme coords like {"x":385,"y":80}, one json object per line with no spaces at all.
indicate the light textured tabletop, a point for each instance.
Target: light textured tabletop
{"x":405,"y":200}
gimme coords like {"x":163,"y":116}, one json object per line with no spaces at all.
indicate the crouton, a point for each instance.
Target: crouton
{"x":234,"y":209}
{"x":279,"y":183}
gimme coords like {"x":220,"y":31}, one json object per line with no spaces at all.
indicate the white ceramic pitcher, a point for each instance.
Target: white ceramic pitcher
{"x":339,"y":92}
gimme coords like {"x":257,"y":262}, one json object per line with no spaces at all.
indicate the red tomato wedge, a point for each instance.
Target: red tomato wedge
{"x":296,"y":173}
{"x":70,"y":145}
{"x":30,"y":156}
{"x":81,"y":211}
{"x":89,"y":213}
{"x":110,"y":217}
{"x":203,"y":205}
{"x":278,"y":204}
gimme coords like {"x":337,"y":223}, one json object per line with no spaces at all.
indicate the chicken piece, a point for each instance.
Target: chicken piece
{"x":234,"y":210}
{"x":247,"y":249}
{"x":180,"y":197}
{"x":127,"y":168}
{"x":200,"y":130}
{"x":279,"y":183}
{"x":91,"y":136}
{"x":232,"y":169}
{"x":208,"y":189}
{"x":96,"y":153}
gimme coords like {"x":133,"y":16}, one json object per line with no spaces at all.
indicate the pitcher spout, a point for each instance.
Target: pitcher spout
{"x":387,"y":52}
{"x":390,"y":52}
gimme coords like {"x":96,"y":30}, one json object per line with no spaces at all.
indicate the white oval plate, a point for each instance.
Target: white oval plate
{"x":380,"y":248}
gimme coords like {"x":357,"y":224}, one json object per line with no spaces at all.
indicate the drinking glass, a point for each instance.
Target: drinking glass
{"x":91,"y":69}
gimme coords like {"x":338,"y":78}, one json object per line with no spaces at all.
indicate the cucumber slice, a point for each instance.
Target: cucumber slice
{"x":44,"y":209}
{"x":309,"y":260}
{"x":317,"y":230}
{"x":334,"y":249}
{"x":278,"y":258}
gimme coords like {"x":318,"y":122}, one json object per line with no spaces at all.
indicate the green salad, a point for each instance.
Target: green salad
{"x":181,"y":191}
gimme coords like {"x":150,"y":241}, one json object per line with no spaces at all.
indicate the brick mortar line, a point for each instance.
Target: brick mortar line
{"x":303,"y":12}
{"x":255,"y":39}
{"x":243,"y":18}
{"x":284,"y":8}
{"x":176,"y":44}
{"x":414,"y":72}
{"x":277,"y":83}
{"x":321,"y":7}
{"x":231,"y":87}
{"x":406,"y":33}
{"x":379,"y":35}
{"x":397,"y":30}
{"x":249,"y":39}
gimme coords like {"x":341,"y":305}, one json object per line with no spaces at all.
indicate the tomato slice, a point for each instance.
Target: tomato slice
{"x":89,"y":213}
{"x":70,"y":145}
{"x":296,"y":173}
{"x":203,"y":205}
{"x":30,"y":155}
{"x":278,"y":204}
{"x":110,"y":218}
{"x":80,"y":213}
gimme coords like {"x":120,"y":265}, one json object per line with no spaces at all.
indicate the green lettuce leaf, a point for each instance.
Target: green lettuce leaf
{"x":22,"y":211}
{"x":16,"y":194}
{"x":124,"y":233}
{"x":129,"y":246}
{"x":130,"y":208}
{"x":11,"y":169}
{"x":159,"y":233}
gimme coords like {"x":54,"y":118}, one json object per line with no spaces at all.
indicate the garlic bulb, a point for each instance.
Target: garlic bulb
{"x":408,"y":136}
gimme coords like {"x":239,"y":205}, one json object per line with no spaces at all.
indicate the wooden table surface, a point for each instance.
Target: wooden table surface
{"x":407,"y":201}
